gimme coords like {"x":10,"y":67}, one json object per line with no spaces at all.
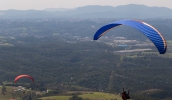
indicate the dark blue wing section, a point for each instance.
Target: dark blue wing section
{"x":148,"y":30}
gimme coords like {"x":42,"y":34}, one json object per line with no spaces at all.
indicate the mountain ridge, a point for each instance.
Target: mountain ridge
{"x":93,"y":11}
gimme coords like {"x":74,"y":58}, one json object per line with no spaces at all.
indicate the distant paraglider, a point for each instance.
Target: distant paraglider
{"x":23,"y":76}
{"x":153,"y":34}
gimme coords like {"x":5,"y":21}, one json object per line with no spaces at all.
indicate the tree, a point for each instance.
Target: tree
{"x":3,"y":90}
{"x":29,"y":96}
{"x":75,"y":97}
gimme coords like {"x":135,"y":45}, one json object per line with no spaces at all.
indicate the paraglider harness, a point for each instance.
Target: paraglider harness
{"x":125,"y":96}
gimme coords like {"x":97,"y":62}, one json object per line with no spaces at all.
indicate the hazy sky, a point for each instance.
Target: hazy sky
{"x":42,"y":4}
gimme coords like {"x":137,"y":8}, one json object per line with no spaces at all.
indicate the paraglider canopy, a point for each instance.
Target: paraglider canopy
{"x":23,"y":76}
{"x":153,"y":34}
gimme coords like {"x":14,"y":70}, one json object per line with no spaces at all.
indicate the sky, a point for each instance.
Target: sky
{"x":42,"y":4}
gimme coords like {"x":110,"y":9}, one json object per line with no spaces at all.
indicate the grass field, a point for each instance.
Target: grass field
{"x":6,"y":44}
{"x":9,"y":94}
{"x":161,"y":55}
{"x":56,"y":98}
{"x":87,"y":96}
{"x":169,"y":41}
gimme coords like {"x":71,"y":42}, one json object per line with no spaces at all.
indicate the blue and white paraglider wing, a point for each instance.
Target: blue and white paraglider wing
{"x":152,"y":33}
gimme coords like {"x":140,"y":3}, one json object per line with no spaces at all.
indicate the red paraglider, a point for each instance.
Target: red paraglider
{"x":23,"y":76}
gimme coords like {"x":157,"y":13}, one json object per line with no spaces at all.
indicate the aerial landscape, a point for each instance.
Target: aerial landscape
{"x":88,"y":51}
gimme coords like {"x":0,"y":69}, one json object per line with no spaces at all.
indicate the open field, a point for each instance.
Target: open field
{"x":169,"y":41}
{"x":87,"y":96}
{"x":9,"y":93}
{"x":6,"y":44}
{"x":162,"y":55}
{"x":12,"y":92}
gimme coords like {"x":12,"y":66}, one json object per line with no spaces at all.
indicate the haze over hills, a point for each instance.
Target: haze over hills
{"x":56,"y":9}
{"x":93,"y":11}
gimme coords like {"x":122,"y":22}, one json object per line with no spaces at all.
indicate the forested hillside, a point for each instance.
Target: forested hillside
{"x":58,"y":60}
{"x":52,"y":61}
